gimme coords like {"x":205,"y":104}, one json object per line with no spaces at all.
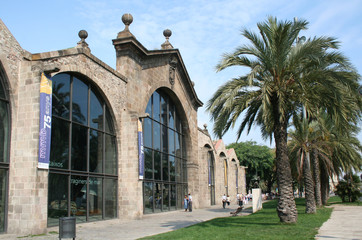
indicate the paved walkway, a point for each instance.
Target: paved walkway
{"x":345,"y":223}
{"x":133,"y":229}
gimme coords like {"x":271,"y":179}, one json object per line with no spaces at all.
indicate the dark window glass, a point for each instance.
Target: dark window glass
{"x":178,"y":144}
{"x":172,"y":168}
{"x":165,"y":197}
{"x":157,"y":197}
{"x":4,"y":131}
{"x":110,"y":198}
{"x":173,"y":196}
{"x":178,"y":169}
{"x":60,"y":96}
{"x":109,"y":124}
{"x":78,"y":196}
{"x":95,"y":199}
{"x":162,"y":135}
{"x":110,"y":155}
{"x":163,"y":110}
{"x":184,"y":171}
{"x":171,"y":118}
{"x":96,"y":112}
{"x":2,"y":91}
{"x":148,"y":163}
{"x":79,"y":148}
{"x":180,"y":196}
{"x":156,"y":106}
{"x":95,"y":151}
{"x":178,"y":123}
{"x":156,"y":136}
{"x":4,"y":150}
{"x":57,"y":198}
{"x":157,"y":165}
{"x":171,"y":141}
{"x":148,"y":197}
{"x":147,"y":133}
{"x":3,"y":181}
{"x":164,"y":139}
{"x":79,"y":102}
{"x":165,"y":167}
{"x":183,"y":148}
{"x":59,"y":154}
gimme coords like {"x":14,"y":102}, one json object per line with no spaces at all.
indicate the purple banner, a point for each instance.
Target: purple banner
{"x":45,"y":121}
{"x":141,"y":160}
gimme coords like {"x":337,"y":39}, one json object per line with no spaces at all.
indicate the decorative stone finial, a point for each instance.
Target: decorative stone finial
{"x":167,"y":33}
{"x":83,"y":34}
{"x":167,"y":45}
{"x":127,"y":19}
{"x":205,"y":126}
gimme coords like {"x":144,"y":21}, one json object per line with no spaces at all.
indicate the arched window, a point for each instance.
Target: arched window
{"x":83,"y":156}
{"x":211,"y":172}
{"x":4,"y":148}
{"x":165,"y":176}
{"x":223,"y":156}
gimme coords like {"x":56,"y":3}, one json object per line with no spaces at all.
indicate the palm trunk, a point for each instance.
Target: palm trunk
{"x":316,"y":176}
{"x":287,"y":210}
{"x":309,"y":186}
{"x":324,"y":185}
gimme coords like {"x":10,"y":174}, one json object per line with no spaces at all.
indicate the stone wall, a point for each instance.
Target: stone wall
{"x":146,"y":71}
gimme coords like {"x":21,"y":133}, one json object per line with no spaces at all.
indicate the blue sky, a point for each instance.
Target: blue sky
{"x":202,"y":30}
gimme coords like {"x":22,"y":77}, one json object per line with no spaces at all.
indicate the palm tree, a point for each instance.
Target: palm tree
{"x":300,"y":145}
{"x":344,"y":153}
{"x":275,"y":89}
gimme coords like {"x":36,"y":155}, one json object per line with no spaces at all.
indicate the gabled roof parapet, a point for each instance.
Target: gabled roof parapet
{"x":127,"y":44}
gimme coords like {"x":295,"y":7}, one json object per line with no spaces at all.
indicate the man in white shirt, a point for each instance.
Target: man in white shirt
{"x":223,"y":201}
{"x":190,"y":202}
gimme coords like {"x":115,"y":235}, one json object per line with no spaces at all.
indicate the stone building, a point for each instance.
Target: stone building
{"x":95,"y":170}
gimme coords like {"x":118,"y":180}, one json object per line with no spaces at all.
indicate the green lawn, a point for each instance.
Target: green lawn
{"x":261,"y":225}
{"x":338,"y":200}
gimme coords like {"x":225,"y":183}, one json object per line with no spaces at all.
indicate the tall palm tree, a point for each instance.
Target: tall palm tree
{"x":274,"y":90}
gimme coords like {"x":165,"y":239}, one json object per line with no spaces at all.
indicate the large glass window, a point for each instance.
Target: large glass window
{"x":83,"y":159}
{"x":4,"y":149}
{"x":165,"y":182}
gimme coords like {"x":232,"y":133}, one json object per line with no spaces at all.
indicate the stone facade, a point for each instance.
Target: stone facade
{"x":126,"y":90}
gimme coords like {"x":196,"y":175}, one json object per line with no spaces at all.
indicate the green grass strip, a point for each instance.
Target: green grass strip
{"x":260,"y":225}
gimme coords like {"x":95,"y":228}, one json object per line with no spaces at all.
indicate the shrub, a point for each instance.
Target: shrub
{"x":349,"y":188}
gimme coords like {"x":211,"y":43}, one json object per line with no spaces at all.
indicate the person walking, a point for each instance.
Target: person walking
{"x":228,"y":200}
{"x":223,"y":201}
{"x":190,"y":202}
{"x":186,"y":203}
{"x":239,"y":199}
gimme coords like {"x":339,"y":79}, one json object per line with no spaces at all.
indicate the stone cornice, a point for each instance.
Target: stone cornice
{"x":75,"y":51}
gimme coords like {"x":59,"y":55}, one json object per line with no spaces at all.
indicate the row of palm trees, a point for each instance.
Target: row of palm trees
{"x":291,"y":81}
{"x":317,"y":147}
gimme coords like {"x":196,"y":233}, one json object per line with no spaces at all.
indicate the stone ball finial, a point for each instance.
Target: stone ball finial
{"x":167,"y":33}
{"x":127,"y":19}
{"x":83,"y":34}
{"x":205,"y":126}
